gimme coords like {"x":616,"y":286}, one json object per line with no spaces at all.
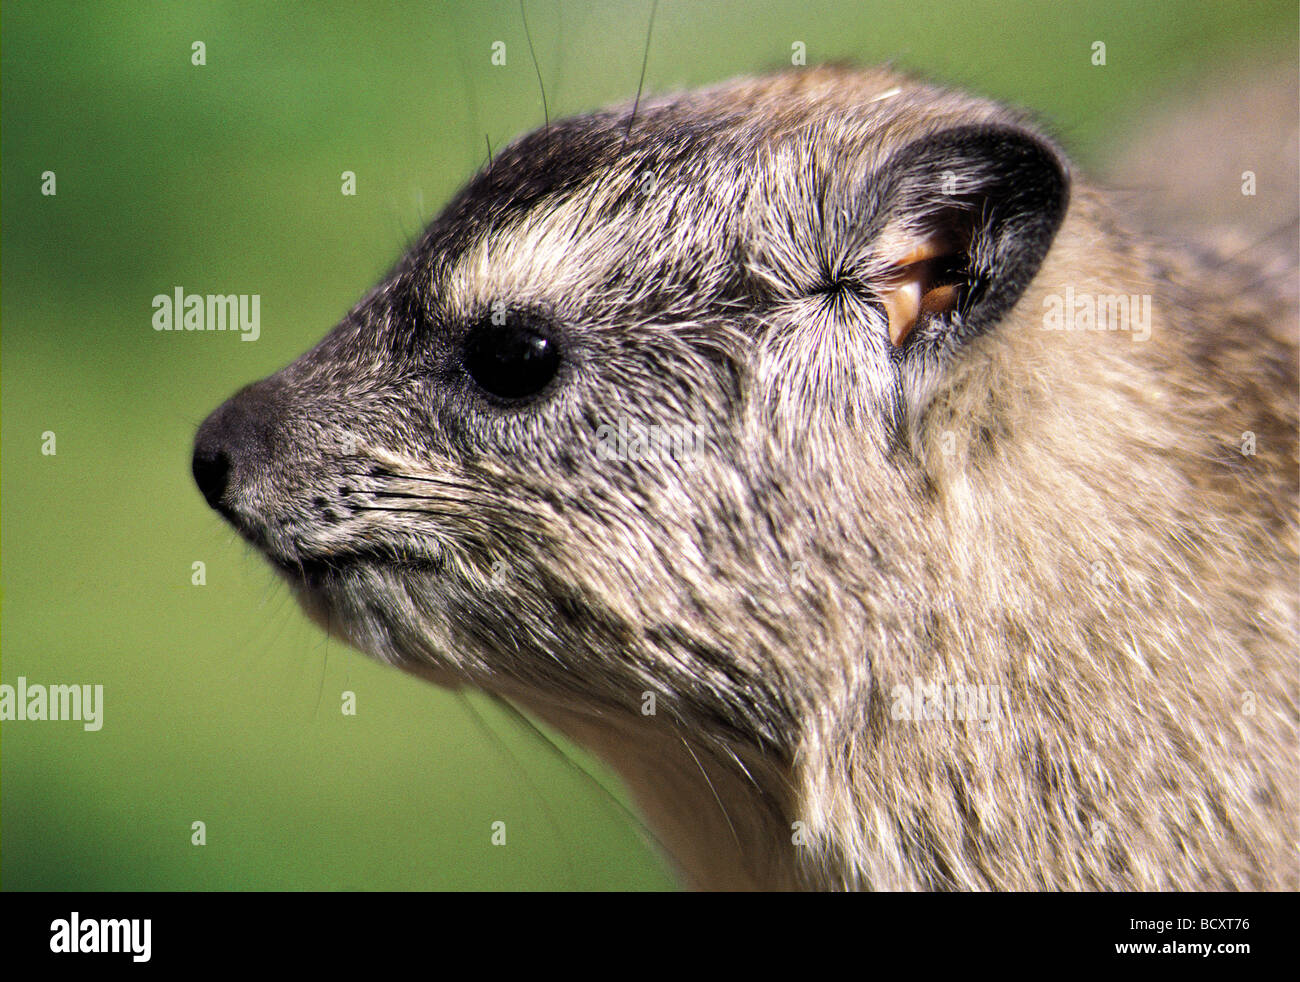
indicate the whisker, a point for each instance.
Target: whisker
{"x":546,"y":111}
{"x":417,"y":511}
{"x":325,"y":664}
{"x":574,"y":765}
{"x":522,"y":771}
{"x":390,"y":476}
{"x":497,"y":508}
{"x":645,"y":58}
{"x":405,"y":494}
{"x":716,"y":797}
{"x":743,"y":769}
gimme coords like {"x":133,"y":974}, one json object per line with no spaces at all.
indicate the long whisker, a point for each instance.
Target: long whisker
{"x":414,"y":511}
{"x":498,"y":508}
{"x":460,"y":488}
{"x":645,"y":58}
{"x":405,"y":494}
{"x":389,"y":476}
{"x":623,"y":809}
{"x":716,"y":797}
{"x":742,"y":768}
{"x":325,"y":664}
{"x":519,"y":768}
{"x":546,"y":111}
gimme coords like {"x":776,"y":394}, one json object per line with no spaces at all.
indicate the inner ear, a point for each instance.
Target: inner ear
{"x":923,"y":274}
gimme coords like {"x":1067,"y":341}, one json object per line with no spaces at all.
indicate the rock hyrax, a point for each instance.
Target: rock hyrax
{"x":827,"y":455}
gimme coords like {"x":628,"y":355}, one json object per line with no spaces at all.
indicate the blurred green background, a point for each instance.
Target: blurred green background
{"x":222,"y":701}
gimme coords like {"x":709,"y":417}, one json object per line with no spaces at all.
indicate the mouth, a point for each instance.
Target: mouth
{"x":317,"y":573}
{"x":307,"y":574}
{"x":325,"y":588}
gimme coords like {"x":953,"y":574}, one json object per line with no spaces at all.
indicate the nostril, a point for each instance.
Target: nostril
{"x":211,"y":474}
{"x":235,"y":451}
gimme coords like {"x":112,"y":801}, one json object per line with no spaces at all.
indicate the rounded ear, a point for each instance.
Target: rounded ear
{"x":966,"y":216}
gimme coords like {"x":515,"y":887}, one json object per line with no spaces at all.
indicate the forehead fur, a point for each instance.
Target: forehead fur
{"x":707,"y":192}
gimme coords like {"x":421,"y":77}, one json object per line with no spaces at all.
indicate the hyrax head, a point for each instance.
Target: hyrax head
{"x":638,"y":412}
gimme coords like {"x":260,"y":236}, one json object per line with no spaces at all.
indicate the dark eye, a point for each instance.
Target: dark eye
{"x":513,"y":360}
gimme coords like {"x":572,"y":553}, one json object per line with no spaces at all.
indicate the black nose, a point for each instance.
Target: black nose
{"x":234,"y":443}
{"x":211,"y":473}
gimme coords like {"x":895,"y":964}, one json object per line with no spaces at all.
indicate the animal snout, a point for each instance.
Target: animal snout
{"x":233,"y":445}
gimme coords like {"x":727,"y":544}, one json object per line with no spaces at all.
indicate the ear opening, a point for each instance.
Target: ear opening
{"x":925,"y":270}
{"x":968,"y":215}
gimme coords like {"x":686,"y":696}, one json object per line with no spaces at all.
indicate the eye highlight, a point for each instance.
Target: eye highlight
{"x":514,"y":360}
